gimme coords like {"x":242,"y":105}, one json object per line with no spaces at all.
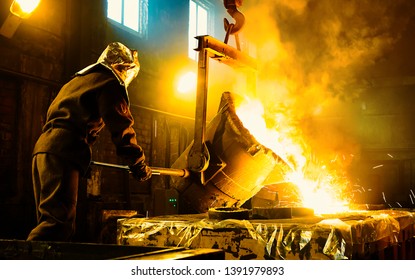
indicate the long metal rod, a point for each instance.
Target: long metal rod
{"x":198,"y":158}
{"x":155,"y":170}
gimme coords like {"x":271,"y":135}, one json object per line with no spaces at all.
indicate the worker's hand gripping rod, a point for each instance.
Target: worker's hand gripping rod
{"x":154,"y":170}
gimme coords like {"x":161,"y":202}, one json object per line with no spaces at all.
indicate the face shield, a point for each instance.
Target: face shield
{"x":122,"y":61}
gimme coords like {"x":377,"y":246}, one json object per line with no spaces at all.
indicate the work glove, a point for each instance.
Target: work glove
{"x":141,"y":171}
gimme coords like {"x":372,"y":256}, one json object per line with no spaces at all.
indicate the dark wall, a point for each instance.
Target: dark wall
{"x":31,"y":71}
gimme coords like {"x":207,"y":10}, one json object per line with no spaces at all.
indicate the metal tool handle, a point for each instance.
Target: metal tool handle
{"x":170,"y":171}
{"x":154,"y":170}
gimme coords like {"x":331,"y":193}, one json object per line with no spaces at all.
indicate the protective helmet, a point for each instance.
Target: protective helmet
{"x":122,"y":61}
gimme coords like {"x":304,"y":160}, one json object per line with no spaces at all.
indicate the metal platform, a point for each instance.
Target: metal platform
{"x":379,"y":234}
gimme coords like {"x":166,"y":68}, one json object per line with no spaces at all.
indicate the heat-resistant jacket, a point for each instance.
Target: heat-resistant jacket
{"x":80,"y":111}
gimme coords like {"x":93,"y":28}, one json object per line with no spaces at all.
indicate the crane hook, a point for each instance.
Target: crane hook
{"x":233,"y":28}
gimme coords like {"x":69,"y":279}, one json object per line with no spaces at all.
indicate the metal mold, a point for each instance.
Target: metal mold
{"x":223,"y":213}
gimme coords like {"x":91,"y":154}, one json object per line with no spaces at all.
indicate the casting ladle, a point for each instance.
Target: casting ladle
{"x":155,"y":170}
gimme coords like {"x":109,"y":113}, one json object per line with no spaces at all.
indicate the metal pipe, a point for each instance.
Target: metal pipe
{"x":155,"y":170}
{"x":170,"y":171}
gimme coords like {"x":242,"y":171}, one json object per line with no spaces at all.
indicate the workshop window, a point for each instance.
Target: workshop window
{"x":132,"y":14}
{"x":200,"y":23}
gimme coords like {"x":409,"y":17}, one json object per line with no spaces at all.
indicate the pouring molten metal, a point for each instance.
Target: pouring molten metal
{"x":318,"y":187}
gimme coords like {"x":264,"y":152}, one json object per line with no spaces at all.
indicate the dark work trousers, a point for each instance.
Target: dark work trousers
{"x":55,"y":184}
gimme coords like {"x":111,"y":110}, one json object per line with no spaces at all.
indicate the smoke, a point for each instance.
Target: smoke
{"x":323,"y":43}
{"x":312,"y":53}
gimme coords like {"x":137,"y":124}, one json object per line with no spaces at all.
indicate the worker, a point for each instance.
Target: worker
{"x":95,"y":97}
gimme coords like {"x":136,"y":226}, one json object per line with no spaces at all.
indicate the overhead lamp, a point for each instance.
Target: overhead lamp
{"x":19,"y":10}
{"x":187,"y":83}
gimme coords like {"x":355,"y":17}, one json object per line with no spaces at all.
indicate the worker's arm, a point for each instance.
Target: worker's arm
{"x":118,"y":119}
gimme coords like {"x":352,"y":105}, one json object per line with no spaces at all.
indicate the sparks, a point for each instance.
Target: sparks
{"x":384,"y":197}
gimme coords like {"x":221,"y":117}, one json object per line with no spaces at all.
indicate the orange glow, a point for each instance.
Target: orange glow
{"x":318,"y":189}
{"x":310,"y":57}
{"x":187,"y":83}
{"x":23,"y":8}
